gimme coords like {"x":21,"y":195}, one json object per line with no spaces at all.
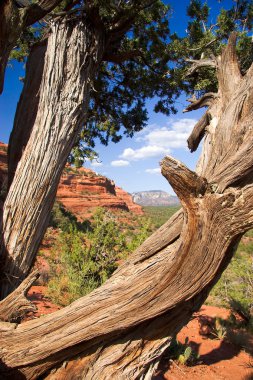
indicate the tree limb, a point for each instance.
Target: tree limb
{"x":16,"y":305}
{"x":197,"y":64}
{"x":198,"y":132}
{"x":229,"y":75}
{"x":121,"y":56}
{"x":203,"y":46}
{"x":206,"y":100}
{"x":185,"y":182}
{"x":39,"y":10}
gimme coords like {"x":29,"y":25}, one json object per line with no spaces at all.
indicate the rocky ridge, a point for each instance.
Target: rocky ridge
{"x":81,"y":190}
{"x":155,"y":198}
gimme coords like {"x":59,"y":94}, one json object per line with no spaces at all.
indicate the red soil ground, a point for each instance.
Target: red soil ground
{"x":218,"y":359}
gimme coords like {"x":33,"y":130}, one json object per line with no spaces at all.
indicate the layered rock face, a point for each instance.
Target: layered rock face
{"x":3,"y":162}
{"x":81,"y":190}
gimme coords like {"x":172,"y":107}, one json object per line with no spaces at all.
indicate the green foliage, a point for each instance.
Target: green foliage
{"x":183,"y":353}
{"x":139,"y":236}
{"x":160,"y":214}
{"x":82,"y":262}
{"x":206,"y":38}
{"x":235,"y":288}
{"x":65,"y":220}
{"x":30,"y":36}
{"x":144,"y":60}
{"x":219,"y":330}
{"x":81,"y":153}
{"x":133,"y":69}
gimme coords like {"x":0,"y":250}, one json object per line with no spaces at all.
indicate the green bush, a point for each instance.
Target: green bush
{"x":81,"y":262}
{"x":235,"y":288}
{"x":160,"y":214}
{"x":139,"y":236}
{"x":63,"y":219}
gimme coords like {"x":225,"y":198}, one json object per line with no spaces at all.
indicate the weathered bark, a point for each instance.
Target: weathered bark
{"x":14,"y":307}
{"x":13,"y":21}
{"x":73,"y":54}
{"x":10,"y":30}
{"x":121,"y":329}
{"x":27,"y":108}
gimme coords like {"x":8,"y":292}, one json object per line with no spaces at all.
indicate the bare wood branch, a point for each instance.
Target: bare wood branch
{"x":197,"y":64}
{"x":206,"y":100}
{"x":50,"y":129}
{"x":27,"y":107}
{"x":164,"y":236}
{"x":16,"y":305}
{"x":229,"y":75}
{"x":198,"y":132}
{"x":121,"y":56}
{"x":37,"y":11}
{"x":238,"y":168}
{"x":203,"y":46}
{"x":185,"y":182}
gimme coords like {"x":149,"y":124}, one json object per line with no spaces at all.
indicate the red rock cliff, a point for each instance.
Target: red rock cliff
{"x":82,"y":190}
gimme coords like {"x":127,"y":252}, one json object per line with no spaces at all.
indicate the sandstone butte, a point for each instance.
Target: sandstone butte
{"x":81,"y":190}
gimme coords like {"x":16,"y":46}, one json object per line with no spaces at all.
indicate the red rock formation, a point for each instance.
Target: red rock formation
{"x":3,"y":162}
{"x":82,"y":190}
{"x":127,"y":198}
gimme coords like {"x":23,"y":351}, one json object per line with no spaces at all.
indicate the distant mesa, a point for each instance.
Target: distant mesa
{"x":155,"y":198}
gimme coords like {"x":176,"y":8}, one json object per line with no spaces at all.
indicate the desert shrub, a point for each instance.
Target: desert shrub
{"x":160,"y":214}
{"x":235,"y":288}
{"x":140,"y":235}
{"x":63,"y":219}
{"x":81,"y":262}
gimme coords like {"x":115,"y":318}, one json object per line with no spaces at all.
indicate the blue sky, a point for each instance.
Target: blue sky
{"x":132,"y":163}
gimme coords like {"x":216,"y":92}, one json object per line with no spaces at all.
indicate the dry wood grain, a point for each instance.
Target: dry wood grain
{"x":121,"y":329}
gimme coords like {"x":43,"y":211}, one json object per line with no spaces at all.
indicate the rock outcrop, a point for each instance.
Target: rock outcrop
{"x":155,"y":198}
{"x":81,"y":190}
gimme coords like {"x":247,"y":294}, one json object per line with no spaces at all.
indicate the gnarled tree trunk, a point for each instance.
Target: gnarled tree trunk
{"x":120,"y":330}
{"x":27,"y":108}
{"x":73,"y":54}
{"x":13,"y":21}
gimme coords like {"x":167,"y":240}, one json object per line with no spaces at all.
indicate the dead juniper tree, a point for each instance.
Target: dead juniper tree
{"x":121,"y":329}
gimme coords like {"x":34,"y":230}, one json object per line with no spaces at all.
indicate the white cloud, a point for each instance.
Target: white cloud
{"x":159,"y":141}
{"x":96,"y":164}
{"x":144,"y":152}
{"x":172,"y":136}
{"x":118,"y":163}
{"x":153,"y":171}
